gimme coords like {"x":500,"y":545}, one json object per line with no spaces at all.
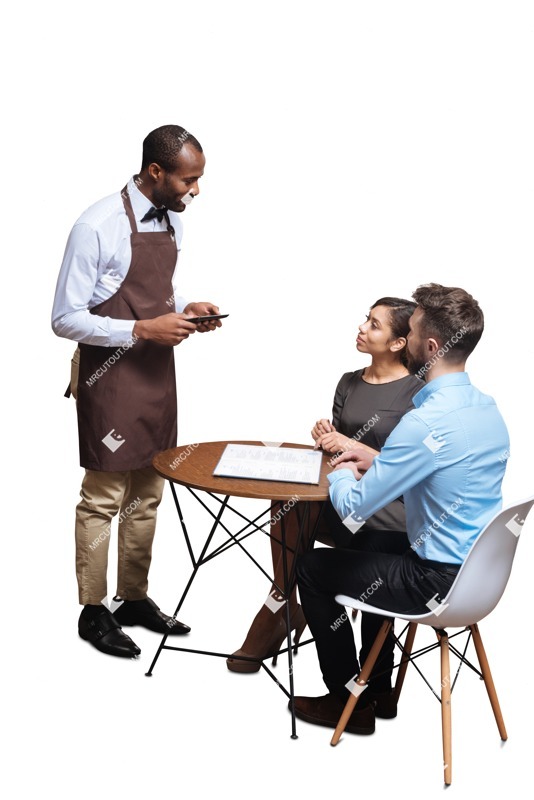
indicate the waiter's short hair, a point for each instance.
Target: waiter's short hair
{"x":162,"y":146}
{"x":452,"y":316}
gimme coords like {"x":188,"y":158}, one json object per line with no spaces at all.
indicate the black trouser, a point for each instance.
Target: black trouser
{"x":380,"y":568}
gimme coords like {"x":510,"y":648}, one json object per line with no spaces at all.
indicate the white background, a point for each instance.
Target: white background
{"x":353,"y":150}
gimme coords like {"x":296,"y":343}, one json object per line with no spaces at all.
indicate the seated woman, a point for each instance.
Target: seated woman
{"x":368,"y":404}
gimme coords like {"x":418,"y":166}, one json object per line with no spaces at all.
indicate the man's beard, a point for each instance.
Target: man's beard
{"x":415,"y":362}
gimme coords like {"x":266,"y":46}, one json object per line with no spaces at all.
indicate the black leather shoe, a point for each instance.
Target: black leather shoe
{"x":147,"y":614}
{"x":104,"y":633}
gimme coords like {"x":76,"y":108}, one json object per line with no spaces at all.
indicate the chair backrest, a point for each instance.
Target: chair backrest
{"x":481,"y":580}
{"x":483,"y":576}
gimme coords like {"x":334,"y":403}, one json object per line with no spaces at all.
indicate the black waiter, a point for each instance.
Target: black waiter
{"x":116,"y":297}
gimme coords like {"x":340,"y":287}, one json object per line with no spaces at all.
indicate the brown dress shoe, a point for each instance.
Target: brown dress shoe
{"x":326,"y":711}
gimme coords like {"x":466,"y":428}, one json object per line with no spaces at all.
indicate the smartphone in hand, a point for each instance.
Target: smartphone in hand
{"x":206,"y":318}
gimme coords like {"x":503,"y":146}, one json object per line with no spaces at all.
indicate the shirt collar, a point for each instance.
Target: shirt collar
{"x":450,"y":379}
{"x":140,"y":203}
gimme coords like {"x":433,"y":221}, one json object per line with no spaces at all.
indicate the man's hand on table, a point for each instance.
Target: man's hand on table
{"x":358,"y":460}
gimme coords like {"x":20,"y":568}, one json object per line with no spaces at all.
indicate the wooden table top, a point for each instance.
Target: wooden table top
{"x":192,"y":465}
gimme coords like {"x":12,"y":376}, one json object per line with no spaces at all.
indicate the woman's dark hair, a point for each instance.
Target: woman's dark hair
{"x":400,"y":311}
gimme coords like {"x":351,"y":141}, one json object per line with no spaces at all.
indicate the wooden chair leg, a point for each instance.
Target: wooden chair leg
{"x":446,"y":707}
{"x":405,"y":660}
{"x":488,"y":681}
{"x":362,"y":679}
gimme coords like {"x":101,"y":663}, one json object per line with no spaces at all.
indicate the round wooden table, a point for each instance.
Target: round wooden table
{"x":192,"y":466}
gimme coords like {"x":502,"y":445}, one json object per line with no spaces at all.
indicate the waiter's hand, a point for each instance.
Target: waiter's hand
{"x":201,"y":310}
{"x":169,"y":329}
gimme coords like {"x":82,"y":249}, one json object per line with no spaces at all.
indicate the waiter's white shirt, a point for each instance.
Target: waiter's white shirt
{"x":96,"y":261}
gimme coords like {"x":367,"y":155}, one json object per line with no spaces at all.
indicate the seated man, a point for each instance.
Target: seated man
{"x":447,"y":457}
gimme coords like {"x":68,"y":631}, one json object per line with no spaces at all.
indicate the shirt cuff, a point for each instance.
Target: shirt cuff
{"x":120,"y":332}
{"x":179,"y":304}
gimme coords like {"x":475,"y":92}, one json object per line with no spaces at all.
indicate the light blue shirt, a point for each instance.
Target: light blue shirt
{"x":96,"y":261}
{"x":447,"y":457}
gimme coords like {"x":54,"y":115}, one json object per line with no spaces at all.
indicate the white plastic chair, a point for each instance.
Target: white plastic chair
{"x":476,"y":590}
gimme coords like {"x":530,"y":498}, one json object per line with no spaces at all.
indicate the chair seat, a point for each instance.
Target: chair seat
{"x":345,"y":600}
{"x":454,"y":619}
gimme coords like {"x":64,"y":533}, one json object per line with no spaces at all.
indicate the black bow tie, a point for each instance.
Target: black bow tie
{"x":155,"y":212}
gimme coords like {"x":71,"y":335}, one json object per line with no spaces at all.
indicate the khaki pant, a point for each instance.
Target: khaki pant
{"x":135,"y":496}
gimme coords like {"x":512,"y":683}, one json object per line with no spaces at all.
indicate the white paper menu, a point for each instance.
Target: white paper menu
{"x":288,"y":464}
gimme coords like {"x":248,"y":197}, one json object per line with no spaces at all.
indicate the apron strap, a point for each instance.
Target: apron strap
{"x":170,"y":228}
{"x":131,"y":217}
{"x":128,"y":208}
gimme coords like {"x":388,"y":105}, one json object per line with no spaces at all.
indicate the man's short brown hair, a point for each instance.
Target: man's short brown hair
{"x":451,"y":316}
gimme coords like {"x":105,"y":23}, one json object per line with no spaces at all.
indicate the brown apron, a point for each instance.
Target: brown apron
{"x":126,"y":400}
